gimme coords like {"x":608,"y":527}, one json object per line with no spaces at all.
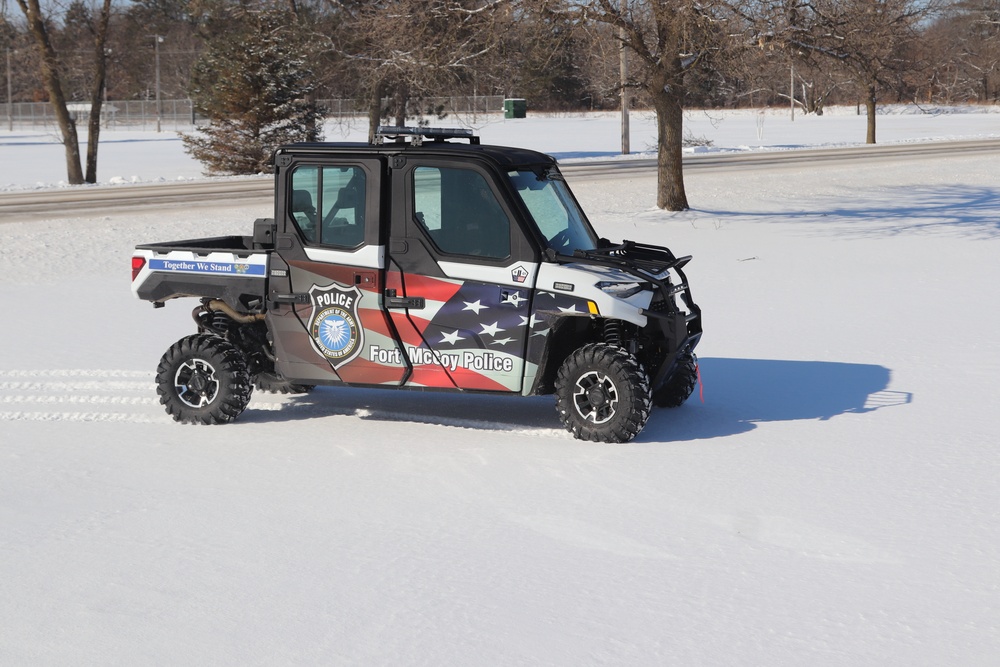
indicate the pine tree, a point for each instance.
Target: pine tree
{"x":254,"y":86}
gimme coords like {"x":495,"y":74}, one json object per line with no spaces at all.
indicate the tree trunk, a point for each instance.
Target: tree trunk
{"x":49,"y":63}
{"x":402,"y":99}
{"x":375,"y":110}
{"x":94,"y":126}
{"x":97,"y":91}
{"x":870,"y":108}
{"x":667,"y":96}
{"x":312,"y":125}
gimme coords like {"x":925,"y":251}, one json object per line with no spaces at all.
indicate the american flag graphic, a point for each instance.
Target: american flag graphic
{"x":469,"y":334}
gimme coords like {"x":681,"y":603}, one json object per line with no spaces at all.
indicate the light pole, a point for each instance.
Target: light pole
{"x":791,"y":88}
{"x":157,"y":40}
{"x":10,"y":100}
{"x":623,"y":80}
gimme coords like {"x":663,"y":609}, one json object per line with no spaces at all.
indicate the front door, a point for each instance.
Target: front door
{"x":460,"y":276}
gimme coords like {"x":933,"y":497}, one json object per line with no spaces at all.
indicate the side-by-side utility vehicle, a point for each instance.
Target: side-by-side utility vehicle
{"x":426,"y":261}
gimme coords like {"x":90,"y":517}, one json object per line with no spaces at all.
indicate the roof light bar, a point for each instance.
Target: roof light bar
{"x":418,"y":134}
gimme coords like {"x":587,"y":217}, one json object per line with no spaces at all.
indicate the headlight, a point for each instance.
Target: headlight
{"x":620,"y":290}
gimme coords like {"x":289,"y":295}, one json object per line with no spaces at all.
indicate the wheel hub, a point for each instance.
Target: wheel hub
{"x":196,"y":384}
{"x":596,"y":397}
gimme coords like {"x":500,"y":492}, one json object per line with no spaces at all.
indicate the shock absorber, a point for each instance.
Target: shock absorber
{"x":210,"y":320}
{"x":202,"y":316}
{"x":613,"y":332}
{"x":220,"y":322}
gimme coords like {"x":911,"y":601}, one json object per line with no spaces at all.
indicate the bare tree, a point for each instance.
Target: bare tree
{"x":50,"y":70}
{"x":964,"y":45}
{"x":49,"y":65}
{"x":402,"y":49}
{"x":548,"y":58}
{"x":135,"y":33}
{"x":669,"y":39}
{"x":868,"y":38}
{"x":99,"y":35}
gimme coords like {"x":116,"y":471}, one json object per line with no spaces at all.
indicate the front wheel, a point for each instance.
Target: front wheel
{"x":203,"y":379}
{"x":681,"y":384}
{"x":602,"y":394}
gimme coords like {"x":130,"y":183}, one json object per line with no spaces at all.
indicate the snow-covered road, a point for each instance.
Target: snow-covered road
{"x":229,"y":192}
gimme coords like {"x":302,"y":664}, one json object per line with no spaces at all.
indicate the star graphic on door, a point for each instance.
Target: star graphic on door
{"x":514,"y":298}
{"x":475,"y":306}
{"x":491,"y":329}
{"x":451,"y":338}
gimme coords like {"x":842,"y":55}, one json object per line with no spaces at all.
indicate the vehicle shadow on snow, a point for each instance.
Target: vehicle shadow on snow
{"x":475,"y":411}
{"x":963,"y":209}
{"x":739,"y":393}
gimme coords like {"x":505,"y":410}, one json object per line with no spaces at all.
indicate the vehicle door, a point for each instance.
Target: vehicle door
{"x":460,"y":275}
{"x":327,"y":280}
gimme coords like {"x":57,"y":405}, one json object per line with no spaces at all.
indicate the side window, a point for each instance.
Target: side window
{"x":305,"y":192}
{"x":460,"y":214}
{"x":328,"y":204}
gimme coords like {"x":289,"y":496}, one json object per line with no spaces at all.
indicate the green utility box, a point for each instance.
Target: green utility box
{"x":515,"y":108}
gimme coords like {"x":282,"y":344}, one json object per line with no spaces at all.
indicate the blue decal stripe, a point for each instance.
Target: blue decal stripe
{"x":202,"y":266}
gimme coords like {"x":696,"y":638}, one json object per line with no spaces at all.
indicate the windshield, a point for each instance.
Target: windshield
{"x":556,"y":214}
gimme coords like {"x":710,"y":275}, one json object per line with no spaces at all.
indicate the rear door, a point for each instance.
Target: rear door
{"x":327,"y":281}
{"x":460,"y":275}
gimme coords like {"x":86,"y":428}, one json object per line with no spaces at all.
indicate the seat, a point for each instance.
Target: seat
{"x":349,"y":230}
{"x":304,"y":213}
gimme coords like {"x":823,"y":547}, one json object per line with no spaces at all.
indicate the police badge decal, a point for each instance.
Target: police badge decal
{"x":334,"y":325}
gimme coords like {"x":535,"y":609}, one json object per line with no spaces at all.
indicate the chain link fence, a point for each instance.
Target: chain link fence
{"x":179,"y":115}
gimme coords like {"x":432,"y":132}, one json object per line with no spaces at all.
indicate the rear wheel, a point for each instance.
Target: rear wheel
{"x":602,"y":394}
{"x":203,"y":379}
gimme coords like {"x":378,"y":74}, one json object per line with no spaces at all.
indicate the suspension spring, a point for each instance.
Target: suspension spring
{"x":220,"y":322}
{"x":211,"y":321}
{"x":613,"y":332}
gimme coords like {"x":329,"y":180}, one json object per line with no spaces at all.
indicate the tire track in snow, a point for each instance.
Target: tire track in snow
{"x":115,"y":396}
{"x":85,"y":385}
{"x":77,"y":417}
{"x":57,"y":395}
{"x":77,"y":400}
{"x":76,"y":372}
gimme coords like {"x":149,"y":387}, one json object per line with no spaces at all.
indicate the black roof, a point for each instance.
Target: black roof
{"x":502,"y":156}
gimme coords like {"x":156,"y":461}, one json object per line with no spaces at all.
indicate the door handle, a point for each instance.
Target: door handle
{"x":512,"y":297}
{"x":415,"y":302}
{"x":290,"y":298}
{"x":393,"y":301}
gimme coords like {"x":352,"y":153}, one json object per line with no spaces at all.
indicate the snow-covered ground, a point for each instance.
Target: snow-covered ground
{"x":833,"y":500}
